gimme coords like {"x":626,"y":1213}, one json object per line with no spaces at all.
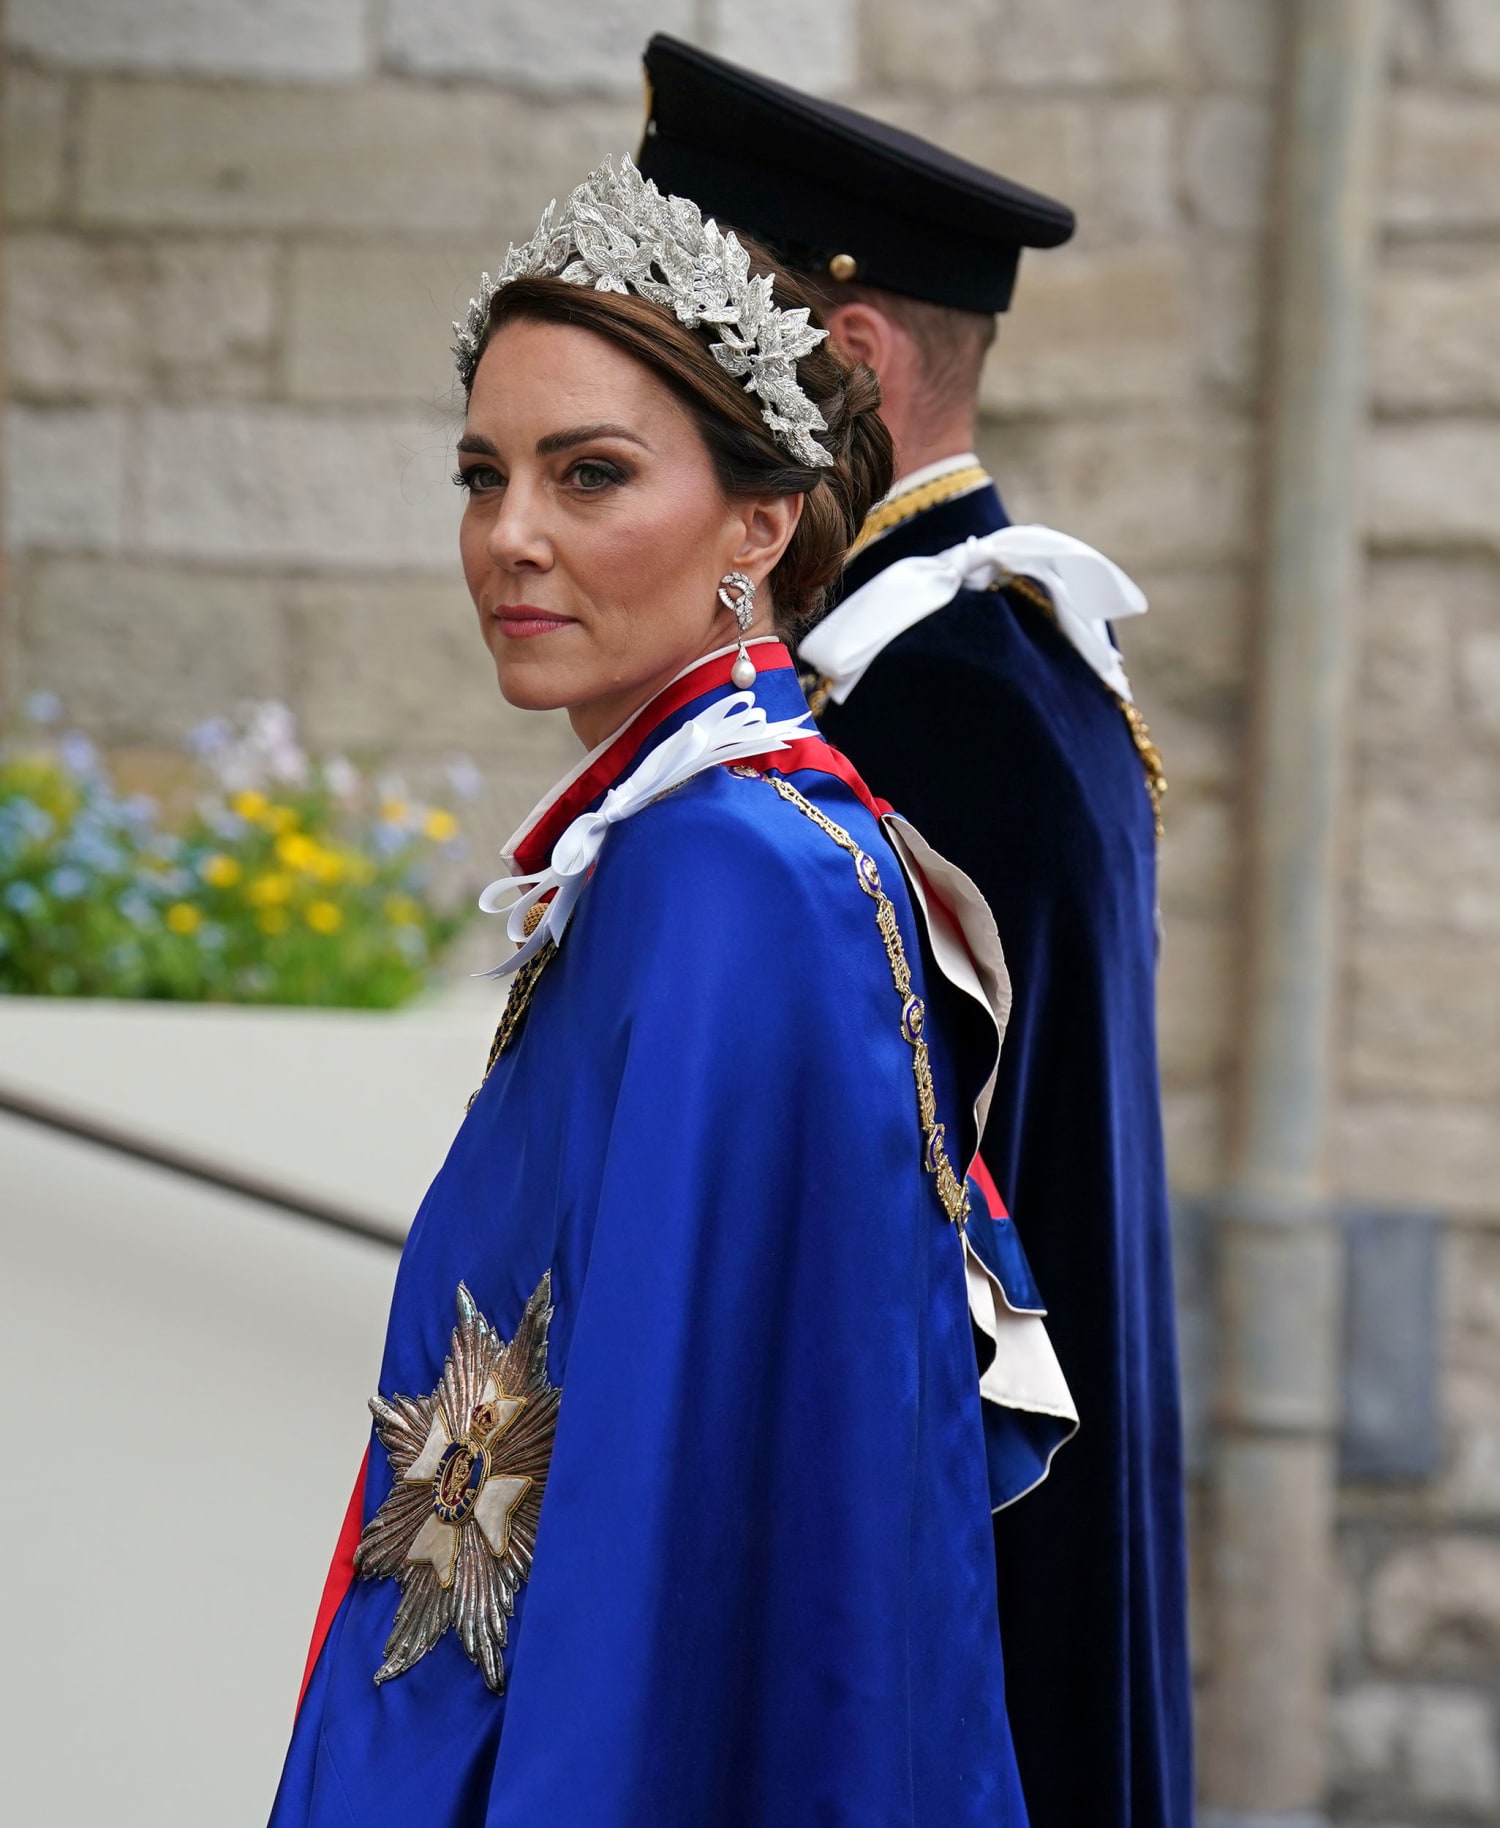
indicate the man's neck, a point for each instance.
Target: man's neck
{"x":917,"y":446}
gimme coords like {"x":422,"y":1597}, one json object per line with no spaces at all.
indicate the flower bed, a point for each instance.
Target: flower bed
{"x":266,"y":878}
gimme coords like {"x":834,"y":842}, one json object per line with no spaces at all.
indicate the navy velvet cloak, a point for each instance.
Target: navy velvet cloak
{"x":985,"y":727}
{"x":763,"y":1587}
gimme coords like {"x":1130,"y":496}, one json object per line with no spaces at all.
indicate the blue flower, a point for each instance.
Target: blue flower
{"x":136,"y":908}
{"x":44,"y":707}
{"x":211,"y":737}
{"x":79,"y":756}
{"x":68,"y":883}
{"x":86,"y":844}
{"x":22,"y":897}
{"x":37,"y":823}
{"x":228,"y":825}
{"x":139,"y":809}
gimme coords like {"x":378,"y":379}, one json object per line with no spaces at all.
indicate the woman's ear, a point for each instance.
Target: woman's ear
{"x":769,"y":521}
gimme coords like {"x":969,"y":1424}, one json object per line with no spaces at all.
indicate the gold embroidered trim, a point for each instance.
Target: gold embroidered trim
{"x":514,"y":1013}
{"x":911,"y":502}
{"x":951,"y":1190}
{"x":1140,"y":731}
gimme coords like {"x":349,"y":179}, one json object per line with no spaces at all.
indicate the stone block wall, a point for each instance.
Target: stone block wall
{"x":1415,"y":1723}
{"x":235,"y":234}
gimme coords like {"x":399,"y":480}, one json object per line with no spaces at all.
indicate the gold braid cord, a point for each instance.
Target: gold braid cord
{"x":519,"y":1000}
{"x":951,"y":1190}
{"x":1140,"y":732}
{"x":911,"y":502}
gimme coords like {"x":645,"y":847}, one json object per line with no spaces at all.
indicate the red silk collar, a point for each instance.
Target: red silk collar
{"x":533,"y":847}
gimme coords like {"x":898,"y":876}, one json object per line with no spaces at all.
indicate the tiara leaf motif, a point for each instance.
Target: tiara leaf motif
{"x":618,"y":233}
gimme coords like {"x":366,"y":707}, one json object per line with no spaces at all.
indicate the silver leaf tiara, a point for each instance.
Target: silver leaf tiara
{"x":618,"y":233}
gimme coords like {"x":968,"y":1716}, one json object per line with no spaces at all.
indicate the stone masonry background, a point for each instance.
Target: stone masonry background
{"x":236,"y":231}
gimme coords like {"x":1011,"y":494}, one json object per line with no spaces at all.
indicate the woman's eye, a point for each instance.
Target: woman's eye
{"x":479,"y":478}
{"x":592,"y":474}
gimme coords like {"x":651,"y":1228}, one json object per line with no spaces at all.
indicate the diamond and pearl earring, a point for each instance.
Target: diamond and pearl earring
{"x":737,"y":593}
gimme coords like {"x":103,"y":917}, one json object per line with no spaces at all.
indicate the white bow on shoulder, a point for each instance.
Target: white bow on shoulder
{"x":729,"y":730}
{"x":1088,"y":592}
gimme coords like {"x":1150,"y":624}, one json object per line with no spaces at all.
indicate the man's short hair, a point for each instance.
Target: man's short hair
{"x":951,"y":344}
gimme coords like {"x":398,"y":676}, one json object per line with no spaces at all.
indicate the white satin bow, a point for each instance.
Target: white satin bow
{"x":729,"y":730}
{"x":1088,"y":592}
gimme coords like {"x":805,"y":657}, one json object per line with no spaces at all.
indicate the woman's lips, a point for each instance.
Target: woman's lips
{"x":520,"y":620}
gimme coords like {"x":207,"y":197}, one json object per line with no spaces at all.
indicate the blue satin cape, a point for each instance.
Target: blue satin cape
{"x":986,"y":728}
{"x":763,"y":1590}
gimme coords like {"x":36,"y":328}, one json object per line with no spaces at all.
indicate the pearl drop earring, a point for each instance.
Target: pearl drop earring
{"x":737,"y":593}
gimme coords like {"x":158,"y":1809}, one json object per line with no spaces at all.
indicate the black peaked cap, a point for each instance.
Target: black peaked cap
{"x":835,"y":193}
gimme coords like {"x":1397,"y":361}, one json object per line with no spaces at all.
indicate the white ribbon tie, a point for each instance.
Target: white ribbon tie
{"x":1088,"y":592}
{"x":729,"y":730}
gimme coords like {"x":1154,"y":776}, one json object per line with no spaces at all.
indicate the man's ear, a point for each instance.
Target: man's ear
{"x":867,"y":335}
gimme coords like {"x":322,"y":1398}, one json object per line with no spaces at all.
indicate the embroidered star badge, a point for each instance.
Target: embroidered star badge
{"x":470,"y":1465}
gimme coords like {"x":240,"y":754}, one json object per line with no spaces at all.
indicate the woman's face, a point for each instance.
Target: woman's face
{"x":595,"y":532}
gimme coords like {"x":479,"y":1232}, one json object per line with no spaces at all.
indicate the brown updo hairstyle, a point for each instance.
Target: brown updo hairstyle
{"x":746,"y":458}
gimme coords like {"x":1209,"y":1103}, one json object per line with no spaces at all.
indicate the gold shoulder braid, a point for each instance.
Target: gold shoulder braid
{"x":911,"y":502}
{"x":951,"y":1190}
{"x":519,"y":1000}
{"x":1140,"y":734}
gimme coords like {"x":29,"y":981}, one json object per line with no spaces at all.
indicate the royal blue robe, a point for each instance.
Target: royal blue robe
{"x":763,"y":1587}
{"x":985,"y":727}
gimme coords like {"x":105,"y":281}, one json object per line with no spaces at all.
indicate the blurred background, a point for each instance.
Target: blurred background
{"x":235,"y":234}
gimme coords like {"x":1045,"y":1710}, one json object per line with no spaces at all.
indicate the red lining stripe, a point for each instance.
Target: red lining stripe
{"x":536,"y":847}
{"x":985,"y":1181}
{"x":340,"y":1575}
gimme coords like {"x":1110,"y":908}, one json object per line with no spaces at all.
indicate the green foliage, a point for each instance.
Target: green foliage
{"x":282,"y":882}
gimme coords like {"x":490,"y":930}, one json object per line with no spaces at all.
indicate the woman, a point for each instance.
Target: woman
{"x":704,"y":1229}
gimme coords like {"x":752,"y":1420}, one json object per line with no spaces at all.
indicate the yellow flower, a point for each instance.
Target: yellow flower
{"x":249,"y":805}
{"x":324,"y":916}
{"x":297,"y":851}
{"x":279,"y":818}
{"x":183,"y":917}
{"x":402,"y":911}
{"x":267,"y":891}
{"x":440,"y":826}
{"x":328,"y":866}
{"x":273,"y":920}
{"x":394,"y":812}
{"x":223,"y":872}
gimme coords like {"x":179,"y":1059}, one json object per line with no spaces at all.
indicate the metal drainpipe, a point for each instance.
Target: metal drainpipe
{"x":1274,"y":1477}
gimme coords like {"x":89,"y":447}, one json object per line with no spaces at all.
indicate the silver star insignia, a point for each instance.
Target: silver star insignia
{"x":470,"y":1463}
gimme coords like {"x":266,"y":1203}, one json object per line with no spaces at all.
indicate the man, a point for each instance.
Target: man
{"x":977,"y":687}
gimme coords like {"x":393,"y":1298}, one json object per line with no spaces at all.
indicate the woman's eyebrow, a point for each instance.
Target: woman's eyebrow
{"x":474,"y":446}
{"x":583,"y":434}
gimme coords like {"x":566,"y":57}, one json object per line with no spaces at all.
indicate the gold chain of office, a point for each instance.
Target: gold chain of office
{"x":521,"y":993}
{"x":952,"y":1191}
